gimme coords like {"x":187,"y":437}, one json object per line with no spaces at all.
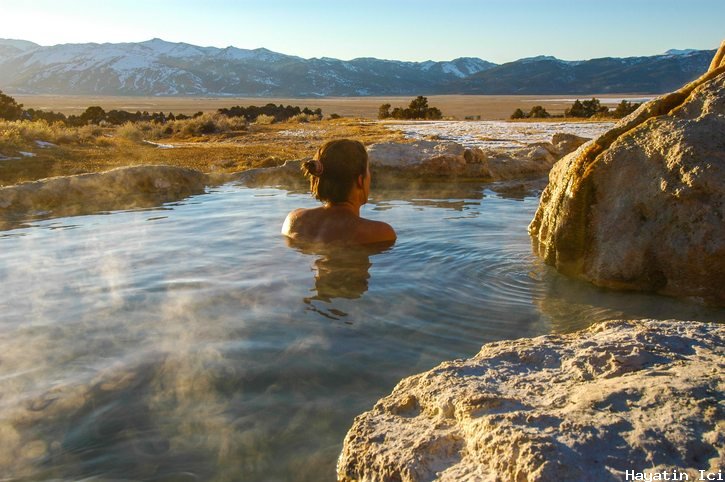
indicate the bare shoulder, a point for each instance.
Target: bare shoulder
{"x":289,"y":225}
{"x":376,"y":231}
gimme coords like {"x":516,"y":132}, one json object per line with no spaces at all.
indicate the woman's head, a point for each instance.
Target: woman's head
{"x":335,"y":169}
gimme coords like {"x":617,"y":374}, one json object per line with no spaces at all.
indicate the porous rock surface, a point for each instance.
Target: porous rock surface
{"x":642,"y":207}
{"x":288,"y":174}
{"x":622,"y":395}
{"x":445,"y":159}
{"x":122,"y":188}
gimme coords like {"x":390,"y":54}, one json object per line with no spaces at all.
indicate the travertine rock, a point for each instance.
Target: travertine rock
{"x":122,"y":188}
{"x":621,"y":395}
{"x":643,"y":206}
{"x":450,"y":160}
{"x":566,"y":143}
{"x":288,"y":175}
{"x":410,"y":156}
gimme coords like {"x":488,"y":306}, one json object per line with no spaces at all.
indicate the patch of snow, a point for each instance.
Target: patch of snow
{"x":159,"y":145}
{"x":27,"y":154}
{"x":449,"y":68}
{"x":302,"y":133}
{"x":680,"y":51}
{"x":132,"y":62}
{"x":496,"y":134}
{"x":45,"y":145}
{"x":602,"y":100}
{"x":536,"y":59}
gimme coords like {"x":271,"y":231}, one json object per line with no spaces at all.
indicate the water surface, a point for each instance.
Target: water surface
{"x":190,"y":342}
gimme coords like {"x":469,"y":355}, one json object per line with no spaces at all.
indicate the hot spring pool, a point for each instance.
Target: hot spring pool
{"x":189,"y":342}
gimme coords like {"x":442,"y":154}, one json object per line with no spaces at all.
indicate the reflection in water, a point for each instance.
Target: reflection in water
{"x":340,"y":271}
{"x":570,"y":304}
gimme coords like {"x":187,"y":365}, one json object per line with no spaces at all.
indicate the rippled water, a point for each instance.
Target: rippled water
{"x":189,"y":342}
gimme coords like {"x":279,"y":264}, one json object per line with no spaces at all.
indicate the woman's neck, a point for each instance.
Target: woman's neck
{"x":348,"y":206}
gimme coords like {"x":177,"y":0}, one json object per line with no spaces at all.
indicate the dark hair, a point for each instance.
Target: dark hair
{"x":334,"y":169}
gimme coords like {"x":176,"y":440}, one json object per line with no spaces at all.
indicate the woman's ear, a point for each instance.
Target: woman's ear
{"x":360,"y":181}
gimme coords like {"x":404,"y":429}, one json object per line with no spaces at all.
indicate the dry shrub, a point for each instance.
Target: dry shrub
{"x":154,"y":130}
{"x":264,"y":119}
{"x":104,"y":142}
{"x":10,"y":135}
{"x":24,"y":132}
{"x":90,"y":132}
{"x":131,"y":131}
{"x":209,"y":123}
{"x":300,"y":118}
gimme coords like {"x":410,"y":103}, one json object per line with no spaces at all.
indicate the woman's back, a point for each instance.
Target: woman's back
{"x":334,"y":224}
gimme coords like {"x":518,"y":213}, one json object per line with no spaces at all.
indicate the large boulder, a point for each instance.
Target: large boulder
{"x":643,"y":206}
{"x":566,"y":143}
{"x":622,"y":395}
{"x":122,"y":188}
{"x":450,"y":160}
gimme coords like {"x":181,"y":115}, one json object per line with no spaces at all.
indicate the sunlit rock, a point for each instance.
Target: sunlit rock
{"x":642,"y":207}
{"x":288,"y":174}
{"x":450,"y":160}
{"x":123,"y":188}
{"x":565,"y":143}
{"x":621,"y":395}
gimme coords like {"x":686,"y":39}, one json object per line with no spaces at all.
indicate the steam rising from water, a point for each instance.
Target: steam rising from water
{"x":190,"y":343}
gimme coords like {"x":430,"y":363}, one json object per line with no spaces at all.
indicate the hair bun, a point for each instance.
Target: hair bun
{"x":314,"y":167}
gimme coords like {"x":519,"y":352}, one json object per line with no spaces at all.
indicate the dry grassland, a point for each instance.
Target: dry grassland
{"x":257,"y":146}
{"x":489,"y":107}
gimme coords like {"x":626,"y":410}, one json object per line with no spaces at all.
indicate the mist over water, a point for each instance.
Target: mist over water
{"x":190,"y":342}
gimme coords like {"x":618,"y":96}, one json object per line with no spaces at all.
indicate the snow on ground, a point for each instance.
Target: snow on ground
{"x":159,"y":145}
{"x":302,"y":133}
{"x":44,"y":144}
{"x":497,"y":134}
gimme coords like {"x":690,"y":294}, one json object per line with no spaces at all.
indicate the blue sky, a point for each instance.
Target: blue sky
{"x":495,"y":30}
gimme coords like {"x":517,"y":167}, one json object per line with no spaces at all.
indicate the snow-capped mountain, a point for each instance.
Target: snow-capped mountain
{"x":680,"y":51}
{"x":157,"y":67}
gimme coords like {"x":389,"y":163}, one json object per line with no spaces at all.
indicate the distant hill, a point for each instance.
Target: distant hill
{"x":8,"y":47}
{"x":548,"y":75}
{"x":157,"y":67}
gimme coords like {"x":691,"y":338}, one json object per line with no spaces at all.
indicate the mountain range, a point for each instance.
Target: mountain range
{"x":159,"y":68}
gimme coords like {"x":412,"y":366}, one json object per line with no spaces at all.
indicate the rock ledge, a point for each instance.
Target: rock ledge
{"x":622,"y":395}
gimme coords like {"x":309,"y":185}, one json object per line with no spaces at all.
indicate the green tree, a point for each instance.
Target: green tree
{"x":93,"y":115}
{"x":538,"y":112}
{"x":49,"y":117}
{"x":576,"y":110}
{"x":418,"y":107}
{"x":518,"y":114}
{"x":625,"y":108}
{"x":384,"y":111}
{"x":592,"y":107}
{"x":433,"y":113}
{"x":9,"y":109}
